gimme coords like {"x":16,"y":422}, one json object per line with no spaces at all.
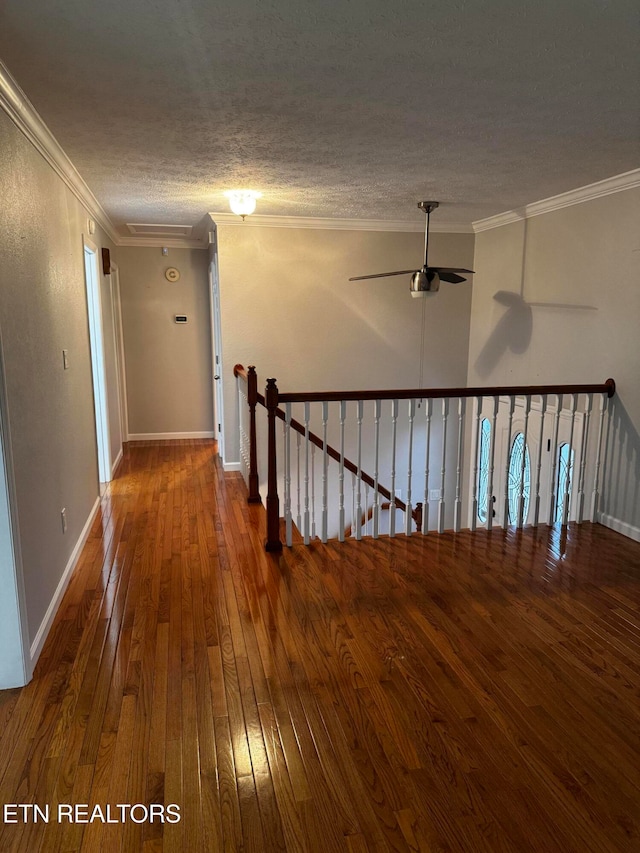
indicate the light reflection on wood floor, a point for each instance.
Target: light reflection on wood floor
{"x":468,"y":693}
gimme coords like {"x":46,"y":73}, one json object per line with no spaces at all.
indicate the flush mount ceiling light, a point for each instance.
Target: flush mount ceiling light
{"x":242,"y":202}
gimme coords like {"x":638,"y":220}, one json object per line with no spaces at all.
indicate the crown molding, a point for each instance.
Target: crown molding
{"x":256,"y":220}
{"x":615,"y":184}
{"x":25,"y":116}
{"x":499,"y":220}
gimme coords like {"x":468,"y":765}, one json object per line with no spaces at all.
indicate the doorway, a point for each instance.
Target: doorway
{"x":118,"y":336}
{"x":214,"y":286}
{"x":15,"y":658}
{"x":96,"y":342}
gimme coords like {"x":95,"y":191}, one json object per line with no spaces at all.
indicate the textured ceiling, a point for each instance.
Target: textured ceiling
{"x":341,"y":108}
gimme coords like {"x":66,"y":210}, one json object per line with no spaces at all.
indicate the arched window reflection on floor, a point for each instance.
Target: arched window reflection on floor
{"x":483,"y":469}
{"x":563,"y":484}
{"x":518,"y":448}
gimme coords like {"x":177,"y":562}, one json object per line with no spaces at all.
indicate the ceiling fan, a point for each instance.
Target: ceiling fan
{"x":427,"y":279}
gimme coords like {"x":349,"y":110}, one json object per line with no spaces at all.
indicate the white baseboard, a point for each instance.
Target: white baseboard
{"x":227,"y":467}
{"x":114,"y":467}
{"x":620,"y":526}
{"x":49,"y":616}
{"x":168,"y":436}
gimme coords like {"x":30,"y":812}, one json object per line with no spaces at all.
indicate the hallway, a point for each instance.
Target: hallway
{"x":468,"y":693}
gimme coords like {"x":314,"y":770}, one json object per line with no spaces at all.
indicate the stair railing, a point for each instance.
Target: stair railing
{"x":500,"y":466}
{"x":249,"y":398}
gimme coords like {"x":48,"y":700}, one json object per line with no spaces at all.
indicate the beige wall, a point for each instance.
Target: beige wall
{"x":586,"y":255}
{"x":287,"y":307}
{"x":50,"y":416}
{"x":168,"y":366}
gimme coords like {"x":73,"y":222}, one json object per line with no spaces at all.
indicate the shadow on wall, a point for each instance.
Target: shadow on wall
{"x":621,"y":490}
{"x":512,"y":332}
{"x":514,"y":329}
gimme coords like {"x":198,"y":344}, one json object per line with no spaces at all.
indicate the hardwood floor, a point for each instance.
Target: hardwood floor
{"x":467,"y":693}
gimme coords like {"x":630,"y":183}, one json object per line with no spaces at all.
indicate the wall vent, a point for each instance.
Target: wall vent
{"x":152,"y":230}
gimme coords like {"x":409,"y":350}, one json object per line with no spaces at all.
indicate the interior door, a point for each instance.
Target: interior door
{"x":119,"y":352}
{"x":96,"y":340}
{"x":218,"y":388}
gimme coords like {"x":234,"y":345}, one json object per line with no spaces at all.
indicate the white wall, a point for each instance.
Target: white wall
{"x":586,"y":255}
{"x":168,"y":366}
{"x":288,"y":307}
{"x":43,"y":310}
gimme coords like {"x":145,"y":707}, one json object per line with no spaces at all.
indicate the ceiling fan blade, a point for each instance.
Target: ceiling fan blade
{"x":450,"y":269}
{"x":453,"y":277}
{"x":426,"y":279}
{"x":383,"y":274}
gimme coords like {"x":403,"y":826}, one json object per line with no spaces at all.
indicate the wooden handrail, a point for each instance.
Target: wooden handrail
{"x":332,"y":452}
{"x":273,"y":397}
{"x":238,"y":370}
{"x":608,"y":388}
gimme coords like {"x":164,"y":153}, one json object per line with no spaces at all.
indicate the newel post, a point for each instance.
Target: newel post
{"x":273,"y":542}
{"x":252,"y":399}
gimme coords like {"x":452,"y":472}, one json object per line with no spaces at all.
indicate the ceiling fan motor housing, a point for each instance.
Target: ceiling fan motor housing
{"x":423,"y":282}
{"x":428,"y":206}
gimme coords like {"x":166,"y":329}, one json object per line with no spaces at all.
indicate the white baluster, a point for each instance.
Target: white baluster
{"x":306,"y":474}
{"x":527,"y":409}
{"x":358,"y":521}
{"x":595,"y":496}
{"x":584,"y":444}
{"x":441,"y":505}
{"x":298,"y":515}
{"x":505,"y":511}
{"x":608,"y":446}
{"x":567,"y":486}
{"x":287,"y":475}
{"x":325,"y":472}
{"x":492,"y":459}
{"x":376,"y":493}
{"x":343,"y":415}
{"x":554,"y":459}
{"x":543,"y":410}
{"x":457,"y":506}
{"x":313,"y":491}
{"x":243,"y":406}
{"x":425,"y":511}
{"x":476,"y":452}
{"x":407,"y":515}
{"x":392,"y":505}
{"x":353,"y":504}
{"x":366,"y":504}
